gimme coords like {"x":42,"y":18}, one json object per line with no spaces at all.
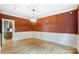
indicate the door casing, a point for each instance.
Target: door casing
{"x":13,"y":29}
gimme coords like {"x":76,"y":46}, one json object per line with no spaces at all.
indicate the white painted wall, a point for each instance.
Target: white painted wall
{"x":22,"y":35}
{"x":78,"y":43}
{"x":0,"y":39}
{"x":61,"y":38}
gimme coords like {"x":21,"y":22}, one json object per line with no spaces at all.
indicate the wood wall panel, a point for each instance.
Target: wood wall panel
{"x":0,"y":24}
{"x":60,"y":23}
{"x":21,"y":24}
{"x":78,"y":19}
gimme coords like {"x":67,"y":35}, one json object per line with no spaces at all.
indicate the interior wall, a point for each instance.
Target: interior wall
{"x":0,"y":39}
{"x":59,"y":38}
{"x":60,"y":28}
{"x":21,"y":24}
{"x":78,"y":28}
{"x":0,"y":29}
{"x":22,"y":35}
{"x":0,"y":23}
{"x":60,"y":23}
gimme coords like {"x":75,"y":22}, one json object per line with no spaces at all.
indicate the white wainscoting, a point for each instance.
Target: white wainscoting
{"x":61,"y":38}
{"x":78,"y":44}
{"x":22,"y":35}
{"x":0,"y":39}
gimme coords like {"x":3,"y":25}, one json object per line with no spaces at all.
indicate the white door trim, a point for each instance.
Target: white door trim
{"x":13,"y":27}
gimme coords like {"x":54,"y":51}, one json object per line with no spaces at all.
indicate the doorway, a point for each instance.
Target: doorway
{"x":8,"y":30}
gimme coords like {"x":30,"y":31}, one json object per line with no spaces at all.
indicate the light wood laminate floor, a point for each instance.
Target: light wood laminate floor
{"x":33,"y":46}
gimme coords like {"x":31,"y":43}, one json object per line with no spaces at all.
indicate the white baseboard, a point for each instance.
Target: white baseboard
{"x":61,"y":38}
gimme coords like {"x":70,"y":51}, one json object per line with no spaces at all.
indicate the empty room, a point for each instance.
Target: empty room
{"x":39,"y":28}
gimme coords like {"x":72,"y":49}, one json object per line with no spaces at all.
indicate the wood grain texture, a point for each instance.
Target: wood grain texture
{"x":60,"y":23}
{"x":0,"y":24}
{"x":78,"y":19}
{"x":21,"y":24}
{"x":66,"y":22}
{"x":31,"y":46}
{"x":8,"y":35}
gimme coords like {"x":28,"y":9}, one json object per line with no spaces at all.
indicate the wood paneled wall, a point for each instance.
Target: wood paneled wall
{"x":78,"y":19}
{"x":61,"y":23}
{"x":21,"y":24}
{"x":0,"y":26}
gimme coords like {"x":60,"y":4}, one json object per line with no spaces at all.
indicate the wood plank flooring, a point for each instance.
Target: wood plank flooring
{"x":33,"y":46}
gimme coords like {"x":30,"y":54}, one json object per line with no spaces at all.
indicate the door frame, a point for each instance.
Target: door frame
{"x":13,"y":29}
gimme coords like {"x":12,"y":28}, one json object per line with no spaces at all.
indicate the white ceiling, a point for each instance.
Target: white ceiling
{"x":26,"y":11}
